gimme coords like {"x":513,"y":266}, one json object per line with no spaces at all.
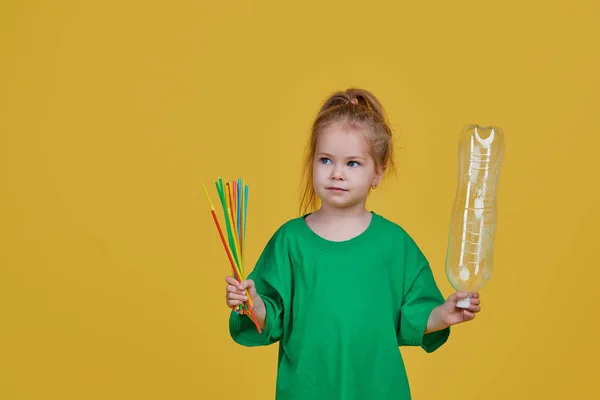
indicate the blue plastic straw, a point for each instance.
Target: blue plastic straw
{"x":239,"y":210}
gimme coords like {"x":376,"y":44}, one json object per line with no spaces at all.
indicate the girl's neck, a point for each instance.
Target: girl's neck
{"x":342,"y":213}
{"x":336,"y":214}
{"x":337,"y":224}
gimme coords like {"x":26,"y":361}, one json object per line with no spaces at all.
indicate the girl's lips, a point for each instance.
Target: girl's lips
{"x":336,"y":189}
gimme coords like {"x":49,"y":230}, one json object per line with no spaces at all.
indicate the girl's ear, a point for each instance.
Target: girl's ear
{"x":379,"y":172}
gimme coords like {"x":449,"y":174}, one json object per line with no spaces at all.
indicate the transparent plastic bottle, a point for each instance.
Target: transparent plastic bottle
{"x":473,"y":222}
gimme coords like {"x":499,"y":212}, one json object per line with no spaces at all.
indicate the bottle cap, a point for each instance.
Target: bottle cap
{"x":464,"y":303}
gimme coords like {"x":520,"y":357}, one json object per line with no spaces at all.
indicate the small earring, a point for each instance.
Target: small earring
{"x":373,"y":187}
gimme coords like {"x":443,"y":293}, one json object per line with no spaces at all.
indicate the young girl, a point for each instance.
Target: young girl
{"x":341,"y":288}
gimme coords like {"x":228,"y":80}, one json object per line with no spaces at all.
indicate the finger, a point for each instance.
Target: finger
{"x":233,"y":296}
{"x":468,"y":315}
{"x":474,"y":308}
{"x":233,"y":289}
{"x":475,"y":301}
{"x":234,"y":303}
{"x":247,"y":284}
{"x":475,"y":295}
{"x":457,"y":296}
{"x":231,"y":280}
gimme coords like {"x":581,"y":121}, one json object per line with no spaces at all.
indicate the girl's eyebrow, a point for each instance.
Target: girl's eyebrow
{"x":348,"y":158}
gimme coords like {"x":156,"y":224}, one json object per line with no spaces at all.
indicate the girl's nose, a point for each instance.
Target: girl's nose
{"x":337,"y":174}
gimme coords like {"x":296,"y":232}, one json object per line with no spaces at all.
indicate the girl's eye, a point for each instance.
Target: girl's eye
{"x":325,"y":160}
{"x":353,"y":164}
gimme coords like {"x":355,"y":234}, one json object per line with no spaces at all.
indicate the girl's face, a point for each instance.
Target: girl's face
{"x":343,"y":169}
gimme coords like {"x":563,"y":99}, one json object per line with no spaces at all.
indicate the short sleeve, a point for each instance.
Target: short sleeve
{"x":272,"y":277}
{"x":421,"y":296}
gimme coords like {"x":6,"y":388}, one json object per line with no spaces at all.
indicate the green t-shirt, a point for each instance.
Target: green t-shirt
{"x":339,"y":311}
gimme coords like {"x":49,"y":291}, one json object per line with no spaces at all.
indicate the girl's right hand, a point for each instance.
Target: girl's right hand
{"x":236,"y":295}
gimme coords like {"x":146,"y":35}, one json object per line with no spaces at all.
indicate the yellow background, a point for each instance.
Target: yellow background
{"x":112,"y":114}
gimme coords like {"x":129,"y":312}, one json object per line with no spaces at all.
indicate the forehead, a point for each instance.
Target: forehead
{"x":341,"y":140}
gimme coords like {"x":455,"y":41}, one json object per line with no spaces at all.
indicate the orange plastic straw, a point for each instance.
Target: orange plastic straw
{"x":227,"y":250}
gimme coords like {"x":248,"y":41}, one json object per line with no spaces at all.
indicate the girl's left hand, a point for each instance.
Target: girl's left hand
{"x":453,"y":315}
{"x":449,"y":314}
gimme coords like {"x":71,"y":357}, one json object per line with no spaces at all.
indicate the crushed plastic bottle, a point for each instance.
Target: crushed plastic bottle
{"x":474,"y":216}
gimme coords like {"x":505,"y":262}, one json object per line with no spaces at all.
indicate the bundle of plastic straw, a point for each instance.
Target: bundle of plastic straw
{"x":234,"y":201}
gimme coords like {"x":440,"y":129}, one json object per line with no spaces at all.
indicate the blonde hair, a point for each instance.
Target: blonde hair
{"x":358,"y":109}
